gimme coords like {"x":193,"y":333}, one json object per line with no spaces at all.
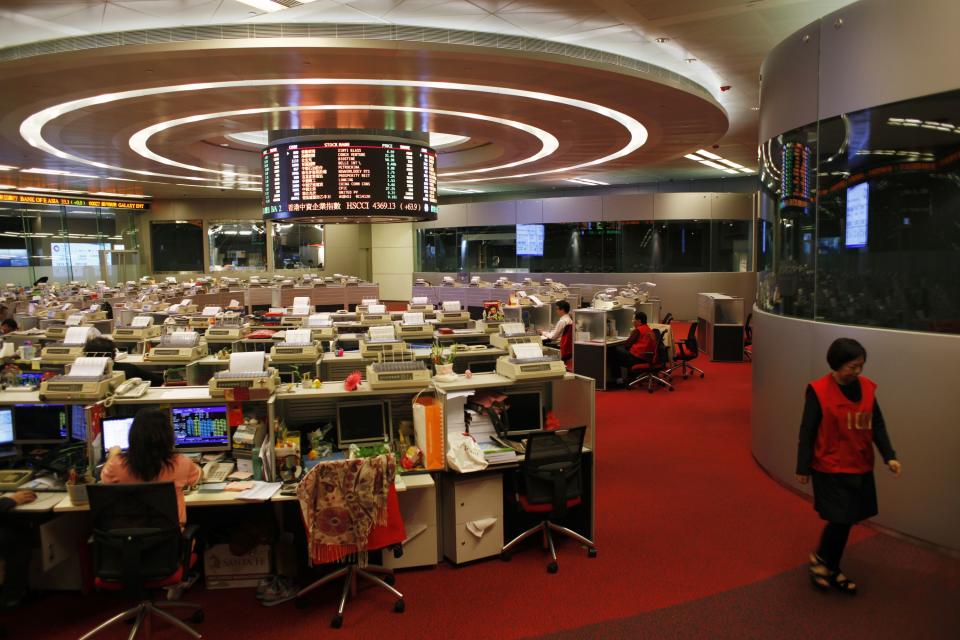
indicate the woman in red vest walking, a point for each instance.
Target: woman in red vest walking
{"x":841,"y":424}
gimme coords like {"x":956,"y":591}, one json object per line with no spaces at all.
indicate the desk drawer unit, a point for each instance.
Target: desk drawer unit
{"x":469,"y":500}
{"x":418,"y":506}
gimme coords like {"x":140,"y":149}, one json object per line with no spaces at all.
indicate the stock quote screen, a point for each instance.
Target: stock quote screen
{"x":338,"y":178}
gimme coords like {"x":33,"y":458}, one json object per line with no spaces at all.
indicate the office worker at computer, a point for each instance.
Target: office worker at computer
{"x":15,"y":546}
{"x":151,"y":457}
{"x":564,"y":319}
{"x":640,"y":345}
{"x":841,"y":424}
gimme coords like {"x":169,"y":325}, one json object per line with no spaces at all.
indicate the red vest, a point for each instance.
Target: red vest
{"x":646,"y":345}
{"x":845,"y":436}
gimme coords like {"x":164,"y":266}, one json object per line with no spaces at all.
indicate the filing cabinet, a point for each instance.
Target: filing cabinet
{"x":469,"y":502}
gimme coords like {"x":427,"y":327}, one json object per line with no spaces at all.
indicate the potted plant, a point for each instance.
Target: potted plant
{"x":443,"y":360}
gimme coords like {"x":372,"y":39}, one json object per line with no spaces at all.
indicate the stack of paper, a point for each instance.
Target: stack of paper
{"x":414,"y":319}
{"x":76,"y":335}
{"x":525,"y":350}
{"x":210,"y":311}
{"x":382,"y":332}
{"x":419,"y":300}
{"x":87,"y":367}
{"x":183,"y":338}
{"x":451,"y":305}
{"x":319,"y":320}
{"x":377,"y":308}
{"x":301,"y":305}
{"x":298,"y":336}
{"x":482,"y":430}
{"x":247,"y":362}
{"x":141,"y":321}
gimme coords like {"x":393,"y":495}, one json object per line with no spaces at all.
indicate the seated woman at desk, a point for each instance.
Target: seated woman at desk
{"x":151,"y":457}
{"x":564,"y":319}
{"x":640,"y":347}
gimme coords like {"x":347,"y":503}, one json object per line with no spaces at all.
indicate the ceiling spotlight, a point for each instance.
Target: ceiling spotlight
{"x":690,"y":60}
{"x":662,"y":40}
{"x":224,"y":144}
{"x":754,"y":108}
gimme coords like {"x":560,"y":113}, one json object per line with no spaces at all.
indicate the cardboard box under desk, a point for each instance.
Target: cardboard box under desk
{"x":224,"y":570}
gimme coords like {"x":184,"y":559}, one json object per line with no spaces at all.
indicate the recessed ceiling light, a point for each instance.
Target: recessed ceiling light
{"x":6,"y":167}
{"x":224,"y":144}
{"x":708,"y":154}
{"x":662,"y":40}
{"x":754,"y":108}
{"x":690,"y":60}
{"x":694,"y":157}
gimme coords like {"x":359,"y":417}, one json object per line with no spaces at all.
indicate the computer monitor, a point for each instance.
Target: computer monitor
{"x":116,"y":433}
{"x":201,"y":428}
{"x":524,"y":412}
{"x":78,"y":422}
{"x":362,"y":422}
{"x":6,"y":427}
{"x":40,"y":423}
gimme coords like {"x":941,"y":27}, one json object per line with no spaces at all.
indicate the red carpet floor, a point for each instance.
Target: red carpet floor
{"x":683,"y":513}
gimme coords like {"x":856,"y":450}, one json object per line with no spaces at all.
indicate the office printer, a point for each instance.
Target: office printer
{"x":396,"y":374}
{"x":513,"y":333}
{"x":374,"y":314}
{"x":419,"y":303}
{"x":295,"y":315}
{"x":381,"y":340}
{"x":451,"y":311}
{"x":320,"y":325}
{"x":203,"y":321}
{"x":527,"y":362}
{"x":86,"y":379}
{"x":178,"y":346}
{"x":246,"y":371}
{"x":413,"y":325}
{"x":606,"y":300}
{"x":185,"y":307}
{"x":229,"y":326}
{"x":141,"y":328}
{"x":298,"y":346}
{"x":69,"y":350}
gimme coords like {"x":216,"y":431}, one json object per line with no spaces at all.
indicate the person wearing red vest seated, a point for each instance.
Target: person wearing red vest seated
{"x":640,"y":347}
{"x":841,"y":424}
{"x":563,"y":319}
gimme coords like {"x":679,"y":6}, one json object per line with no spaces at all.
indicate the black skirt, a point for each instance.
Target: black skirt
{"x":845,"y":498}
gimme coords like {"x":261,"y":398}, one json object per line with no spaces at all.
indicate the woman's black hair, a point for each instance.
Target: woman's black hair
{"x":100,"y":346}
{"x":843,"y":350}
{"x":640,"y":317}
{"x":150,"y":444}
{"x":10,"y":322}
{"x":563,"y":305}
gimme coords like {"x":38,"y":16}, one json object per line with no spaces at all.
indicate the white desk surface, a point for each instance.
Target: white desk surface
{"x":195,"y":498}
{"x":46,"y":501}
{"x":171,"y":395}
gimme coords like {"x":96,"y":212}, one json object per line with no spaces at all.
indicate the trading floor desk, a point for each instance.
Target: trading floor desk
{"x":598,"y":359}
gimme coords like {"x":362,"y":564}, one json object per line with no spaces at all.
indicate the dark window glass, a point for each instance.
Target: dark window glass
{"x":177,"y":246}
{"x":295,"y":246}
{"x":637,"y":242}
{"x":730,"y":245}
{"x":488,"y":248}
{"x":682,"y":245}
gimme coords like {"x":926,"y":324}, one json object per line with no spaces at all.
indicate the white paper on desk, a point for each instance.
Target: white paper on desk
{"x":419,"y":300}
{"x":260,"y":492}
{"x":382,"y":332}
{"x":527,"y":350}
{"x":377,"y":308}
{"x":94,"y":308}
{"x":368,"y":301}
{"x":297,"y":336}
{"x":300,"y":310}
{"x":141,"y":321}
{"x":234,"y":303}
{"x":74,"y":320}
{"x":210,"y":311}
{"x":319,"y":320}
{"x":76,"y":335}
{"x":536,"y":300}
{"x":512,"y":329}
{"x":87,"y":366}
{"x":183,"y":338}
{"x":186,"y":301}
{"x":301,"y":301}
{"x":247,"y":361}
{"x":281,"y":310}
{"x":451,"y":305}
{"x":413,"y":318}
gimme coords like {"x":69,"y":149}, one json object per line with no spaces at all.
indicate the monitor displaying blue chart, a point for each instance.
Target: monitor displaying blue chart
{"x":529,"y":239}
{"x":201,"y":428}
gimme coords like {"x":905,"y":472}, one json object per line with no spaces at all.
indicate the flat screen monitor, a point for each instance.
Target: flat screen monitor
{"x":362,"y":422}
{"x":858,"y":215}
{"x":529,"y":239}
{"x":524,"y":412}
{"x":78,"y":422}
{"x":6,"y":427}
{"x":116,"y":433}
{"x":40,"y":423}
{"x":201,"y":428}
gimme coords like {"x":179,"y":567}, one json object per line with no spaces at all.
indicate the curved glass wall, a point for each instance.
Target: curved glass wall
{"x":860,"y":218}
{"x":592,"y":247}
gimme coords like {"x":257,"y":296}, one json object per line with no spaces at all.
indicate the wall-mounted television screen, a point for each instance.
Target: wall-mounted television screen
{"x":529,"y":239}
{"x":858,"y":213}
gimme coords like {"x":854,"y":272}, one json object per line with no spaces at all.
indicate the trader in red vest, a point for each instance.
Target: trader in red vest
{"x":640,"y":347}
{"x":841,"y":424}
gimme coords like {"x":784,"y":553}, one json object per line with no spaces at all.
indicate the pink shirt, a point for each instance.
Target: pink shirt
{"x":183,"y":473}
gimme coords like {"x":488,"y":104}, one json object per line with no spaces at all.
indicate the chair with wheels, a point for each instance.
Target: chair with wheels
{"x":687,"y":350}
{"x":648,"y":371}
{"x":566,"y":346}
{"x":748,"y":338}
{"x":138,"y":547}
{"x":340,"y":529}
{"x":551,"y":483}
{"x":667,"y":319}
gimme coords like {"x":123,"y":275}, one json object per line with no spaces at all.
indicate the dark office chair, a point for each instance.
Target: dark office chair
{"x":748,"y":338}
{"x":686,"y":351}
{"x":138,"y":546}
{"x":647,"y":371}
{"x":387,"y":537}
{"x":667,"y":319}
{"x":566,"y":346}
{"x":551,"y":482}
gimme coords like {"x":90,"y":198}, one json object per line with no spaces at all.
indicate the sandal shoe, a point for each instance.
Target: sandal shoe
{"x":843,"y":583}
{"x":820,"y":575}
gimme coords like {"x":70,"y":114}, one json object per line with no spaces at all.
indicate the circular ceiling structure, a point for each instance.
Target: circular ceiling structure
{"x":182,"y":119}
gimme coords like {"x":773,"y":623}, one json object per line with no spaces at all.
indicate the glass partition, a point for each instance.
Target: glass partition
{"x":177,"y":245}
{"x":297,"y":246}
{"x":237,"y":244}
{"x":874,"y":239}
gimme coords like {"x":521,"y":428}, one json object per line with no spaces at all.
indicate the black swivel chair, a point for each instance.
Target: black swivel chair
{"x":138,"y":546}
{"x":687,"y":350}
{"x":667,"y":319}
{"x":551,"y":482}
{"x":648,"y":371}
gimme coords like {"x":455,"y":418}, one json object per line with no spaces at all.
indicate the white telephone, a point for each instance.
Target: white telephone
{"x":133,"y":388}
{"x":214,"y":472}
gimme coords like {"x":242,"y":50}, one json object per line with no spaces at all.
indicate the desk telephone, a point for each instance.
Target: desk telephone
{"x":133,"y":388}
{"x":214,"y":472}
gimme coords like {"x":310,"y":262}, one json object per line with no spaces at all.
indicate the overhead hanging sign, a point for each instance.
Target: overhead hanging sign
{"x":72,"y":201}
